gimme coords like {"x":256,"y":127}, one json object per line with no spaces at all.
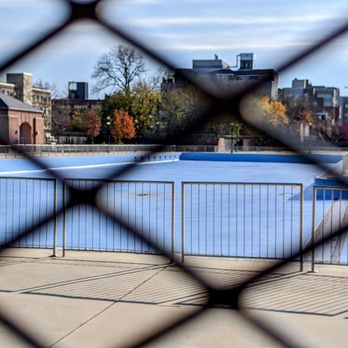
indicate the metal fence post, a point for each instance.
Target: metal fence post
{"x":182,"y":224}
{"x":64,"y":221}
{"x":173,"y":219}
{"x":55,"y":220}
{"x":301,"y":229}
{"x":314,"y":198}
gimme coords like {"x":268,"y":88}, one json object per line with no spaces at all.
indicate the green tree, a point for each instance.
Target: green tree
{"x":180,"y":107}
{"x":145,"y":102}
{"x":77,"y":119}
{"x":117,"y":101}
{"x":142,"y":103}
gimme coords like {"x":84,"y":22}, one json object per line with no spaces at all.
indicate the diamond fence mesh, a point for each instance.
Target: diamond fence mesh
{"x":230,"y":104}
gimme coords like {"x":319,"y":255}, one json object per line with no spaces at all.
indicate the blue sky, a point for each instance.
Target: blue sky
{"x":182,"y":30}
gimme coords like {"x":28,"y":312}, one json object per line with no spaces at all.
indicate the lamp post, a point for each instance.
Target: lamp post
{"x":235,"y":128}
{"x":232,"y":137}
{"x":108,"y":124}
{"x":310,"y":136}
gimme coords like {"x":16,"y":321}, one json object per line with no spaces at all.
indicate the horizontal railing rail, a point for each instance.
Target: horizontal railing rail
{"x":41,"y":150}
{"x":96,"y":149}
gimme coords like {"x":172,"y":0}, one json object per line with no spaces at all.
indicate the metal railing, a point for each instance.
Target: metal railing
{"x":252,"y":220}
{"x":23,"y":202}
{"x":195,"y":148}
{"x":230,"y":298}
{"x":146,"y":205}
{"x":330,"y":212}
{"x":47,"y":150}
{"x":73,"y":150}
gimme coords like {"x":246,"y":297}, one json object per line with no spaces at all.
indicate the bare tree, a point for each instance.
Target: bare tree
{"x":162,"y":74}
{"x":118,"y":69}
{"x":48,"y":86}
{"x":61,"y":119}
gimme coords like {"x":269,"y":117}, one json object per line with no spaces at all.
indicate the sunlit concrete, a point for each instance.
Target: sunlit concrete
{"x":92,"y":299}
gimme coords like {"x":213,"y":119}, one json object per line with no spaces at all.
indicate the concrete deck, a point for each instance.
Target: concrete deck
{"x":113,"y":300}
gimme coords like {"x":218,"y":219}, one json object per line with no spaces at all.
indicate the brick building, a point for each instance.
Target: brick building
{"x":20,"y":86}
{"x":20,"y":123}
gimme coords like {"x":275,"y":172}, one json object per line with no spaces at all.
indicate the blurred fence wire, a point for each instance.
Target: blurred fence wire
{"x":228,"y":297}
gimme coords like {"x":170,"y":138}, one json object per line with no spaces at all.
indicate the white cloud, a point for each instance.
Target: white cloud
{"x":211,"y":20}
{"x":163,"y":2}
{"x":231,"y":46}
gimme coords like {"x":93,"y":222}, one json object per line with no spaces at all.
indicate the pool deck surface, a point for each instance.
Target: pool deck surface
{"x":90,"y":299}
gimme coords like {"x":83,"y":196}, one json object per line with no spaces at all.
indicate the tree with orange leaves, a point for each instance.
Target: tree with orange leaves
{"x":122,"y":126}
{"x":274,"y":112}
{"x":264,"y":112}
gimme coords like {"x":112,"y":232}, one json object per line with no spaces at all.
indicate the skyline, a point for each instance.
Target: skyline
{"x":181,"y":32}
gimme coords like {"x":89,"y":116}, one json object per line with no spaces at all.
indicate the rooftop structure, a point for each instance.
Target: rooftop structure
{"x":218,"y":73}
{"x":10,"y":103}
{"x":78,"y":90}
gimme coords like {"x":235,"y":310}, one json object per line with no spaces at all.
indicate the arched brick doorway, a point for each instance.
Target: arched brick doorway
{"x":25,"y":133}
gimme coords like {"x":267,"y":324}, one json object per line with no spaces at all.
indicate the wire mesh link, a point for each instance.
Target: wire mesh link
{"x":223,"y":104}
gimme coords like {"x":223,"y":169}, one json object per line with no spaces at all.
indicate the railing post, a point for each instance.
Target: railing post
{"x":55,"y":219}
{"x":173,"y":219}
{"x":314,"y":198}
{"x":182,"y":224}
{"x":301,"y":229}
{"x":64,"y":220}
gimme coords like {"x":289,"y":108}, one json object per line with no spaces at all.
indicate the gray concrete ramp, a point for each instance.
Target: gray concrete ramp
{"x":335,"y":217}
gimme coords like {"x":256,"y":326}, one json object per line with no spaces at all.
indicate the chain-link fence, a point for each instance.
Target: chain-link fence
{"x":232,"y":104}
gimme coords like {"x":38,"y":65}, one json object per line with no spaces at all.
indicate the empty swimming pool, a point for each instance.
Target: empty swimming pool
{"x":233,"y":207}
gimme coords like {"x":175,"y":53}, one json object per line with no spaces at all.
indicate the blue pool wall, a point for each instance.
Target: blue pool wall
{"x":241,"y":157}
{"x":330,"y":194}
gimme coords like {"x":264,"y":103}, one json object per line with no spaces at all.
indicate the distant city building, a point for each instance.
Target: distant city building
{"x":70,"y":107}
{"x":218,"y":73}
{"x":20,"y":123}
{"x":78,"y":90}
{"x":64,"y":110}
{"x":344,"y":109}
{"x":20,"y":86}
{"x":324,"y":100}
